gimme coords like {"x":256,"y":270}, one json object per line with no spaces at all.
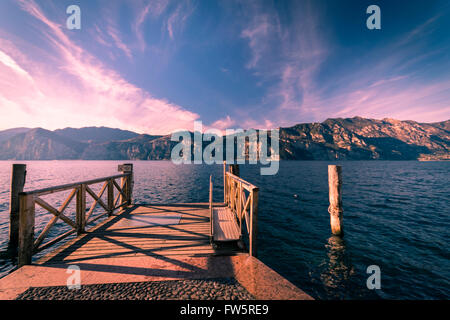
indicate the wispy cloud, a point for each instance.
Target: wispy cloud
{"x":9,"y":62}
{"x":153,"y":9}
{"x":84,"y":92}
{"x":257,"y":34}
{"x":292,"y":62}
{"x":115,"y":35}
{"x":263,"y":63}
{"x":178,"y":18}
{"x":287,"y":57}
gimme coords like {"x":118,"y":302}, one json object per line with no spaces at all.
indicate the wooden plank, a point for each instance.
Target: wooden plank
{"x":97,"y":198}
{"x":53,"y":220}
{"x":225,"y":227}
{"x":120,"y":189}
{"x":127,"y":167}
{"x":247,"y":185}
{"x":52,"y":210}
{"x":54,"y":240}
{"x":189,"y":237}
{"x":50,"y":190}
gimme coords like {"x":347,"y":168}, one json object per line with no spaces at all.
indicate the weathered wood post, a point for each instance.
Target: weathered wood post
{"x":81,"y":209}
{"x":110,"y":197}
{"x":26,"y":229}
{"x":211,"y":204}
{"x":234,"y":169}
{"x":128,"y":182}
{"x":335,"y":196}
{"x":254,"y":223}
{"x":225,"y":182}
{"x":18,"y":176}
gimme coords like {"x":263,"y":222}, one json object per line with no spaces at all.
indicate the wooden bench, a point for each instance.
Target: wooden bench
{"x":225,"y":226}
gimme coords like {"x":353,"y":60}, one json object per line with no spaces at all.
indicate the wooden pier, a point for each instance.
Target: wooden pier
{"x":151,"y":242}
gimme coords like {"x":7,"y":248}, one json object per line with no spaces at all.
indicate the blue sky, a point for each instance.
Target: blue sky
{"x":156,"y":66}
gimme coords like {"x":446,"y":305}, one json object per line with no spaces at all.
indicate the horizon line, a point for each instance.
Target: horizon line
{"x":300,"y":123}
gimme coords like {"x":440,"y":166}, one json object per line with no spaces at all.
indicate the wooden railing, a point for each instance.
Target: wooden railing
{"x":242,"y":198}
{"x":28,"y":245}
{"x":211,"y":206}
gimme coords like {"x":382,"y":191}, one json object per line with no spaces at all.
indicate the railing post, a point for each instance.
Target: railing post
{"x":129,"y":182}
{"x":81,"y":209}
{"x":18,"y":175}
{"x":239,"y":211}
{"x":26,"y":229}
{"x":110,"y":197}
{"x":225,"y":183}
{"x":234,"y":169}
{"x":211,"y":204}
{"x":254,"y":223}
{"x":232,"y":198}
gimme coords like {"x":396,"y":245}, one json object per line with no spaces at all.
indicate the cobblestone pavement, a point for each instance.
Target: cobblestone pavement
{"x":204,"y":289}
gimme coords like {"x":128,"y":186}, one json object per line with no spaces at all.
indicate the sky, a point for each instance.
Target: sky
{"x":157,"y":66}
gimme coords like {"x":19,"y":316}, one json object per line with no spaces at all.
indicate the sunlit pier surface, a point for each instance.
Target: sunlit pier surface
{"x":160,"y":250}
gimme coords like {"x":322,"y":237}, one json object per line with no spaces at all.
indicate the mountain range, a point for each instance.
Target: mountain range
{"x":334,"y":139}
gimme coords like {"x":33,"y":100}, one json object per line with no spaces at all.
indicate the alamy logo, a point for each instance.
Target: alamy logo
{"x":374,"y":281}
{"x":74,"y":280}
{"x":374,"y":20}
{"x":74,"y":20}
{"x":250,"y":145}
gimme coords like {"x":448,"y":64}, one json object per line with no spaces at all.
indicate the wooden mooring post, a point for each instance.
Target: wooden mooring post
{"x":234,"y":169}
{"x":18,"y":176}
{"x":335,"y":196}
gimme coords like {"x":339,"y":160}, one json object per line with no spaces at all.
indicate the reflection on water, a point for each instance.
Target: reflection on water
{"x":337,"y":269}
{"x":396,"y":217}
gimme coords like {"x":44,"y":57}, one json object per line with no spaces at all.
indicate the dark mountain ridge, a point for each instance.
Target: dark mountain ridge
{"x":96,"y":134}
{"x":341,"y":138}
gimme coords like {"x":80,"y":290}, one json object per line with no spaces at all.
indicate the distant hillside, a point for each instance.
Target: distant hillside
{"x":142,"y":147}
{"x":344,"y":139}
{"x":6,"y":134}
{"x":363,"y":139}
{"x":96,"y":134}
{"x":40,"y":144}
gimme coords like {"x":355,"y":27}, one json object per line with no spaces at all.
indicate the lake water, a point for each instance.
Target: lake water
{"x":396,"y":216}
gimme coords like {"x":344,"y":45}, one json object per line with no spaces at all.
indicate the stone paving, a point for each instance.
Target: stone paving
{"x":197,"y":289}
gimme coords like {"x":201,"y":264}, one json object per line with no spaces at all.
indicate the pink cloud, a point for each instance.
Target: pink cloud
{"x":78,"y":90}
{"x":224,"y":123}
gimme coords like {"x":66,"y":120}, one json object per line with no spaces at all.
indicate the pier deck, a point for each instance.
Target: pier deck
{"x":144,"y":251}
{"x":146,"y":230}
{"x":145,"y":243}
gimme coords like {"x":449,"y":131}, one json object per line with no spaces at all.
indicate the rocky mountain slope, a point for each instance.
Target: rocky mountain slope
{"x":360,"y":139}
{"x":344,"y":139}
